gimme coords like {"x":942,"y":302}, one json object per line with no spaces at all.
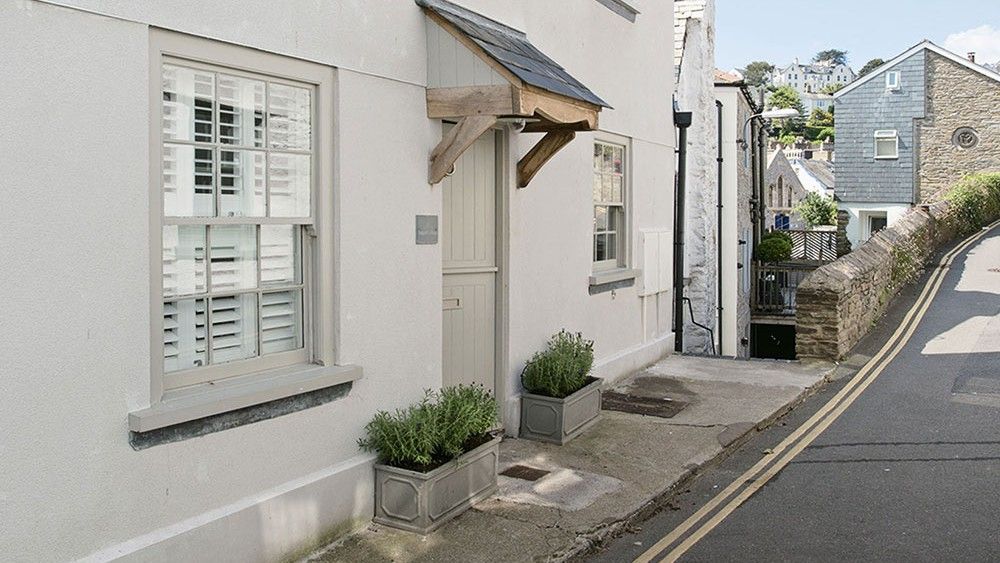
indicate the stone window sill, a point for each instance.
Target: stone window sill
{"x":185,"y":405}
{"x":609,"y":280}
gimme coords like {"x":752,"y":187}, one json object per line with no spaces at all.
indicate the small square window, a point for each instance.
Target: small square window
{"x":886,"y":144}
{"x":892,"y":80}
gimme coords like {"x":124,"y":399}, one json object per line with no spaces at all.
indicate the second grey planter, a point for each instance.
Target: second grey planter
{"x":422,"y":502}
{"x":558,"y":421}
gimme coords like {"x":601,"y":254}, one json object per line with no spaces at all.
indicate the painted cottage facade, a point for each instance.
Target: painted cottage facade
{"x":231,"y":239}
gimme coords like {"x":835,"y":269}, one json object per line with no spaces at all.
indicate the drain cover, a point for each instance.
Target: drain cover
{"x":650,"y":406}
{"x":524,"y":472}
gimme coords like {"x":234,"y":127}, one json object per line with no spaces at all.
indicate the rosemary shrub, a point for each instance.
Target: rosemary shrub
{"x":562,"y":368}
{"x":439,"y":428}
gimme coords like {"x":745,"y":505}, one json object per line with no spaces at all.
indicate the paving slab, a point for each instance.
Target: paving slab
{"x":598,"y":483}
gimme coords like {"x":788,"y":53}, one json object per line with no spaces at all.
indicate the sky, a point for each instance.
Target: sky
{"x":751,"y":30}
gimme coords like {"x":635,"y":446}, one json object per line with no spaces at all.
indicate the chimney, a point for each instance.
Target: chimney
{"x":972,"y":56}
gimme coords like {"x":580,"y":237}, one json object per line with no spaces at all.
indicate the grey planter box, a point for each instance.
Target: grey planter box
{"x":558,"y":421}
{"x":421,"y":502}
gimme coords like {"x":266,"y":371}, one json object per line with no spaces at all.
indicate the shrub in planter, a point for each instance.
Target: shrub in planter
{"x":561,"y":399}
{"x":437,"y":457}
{"x":775,"y":247}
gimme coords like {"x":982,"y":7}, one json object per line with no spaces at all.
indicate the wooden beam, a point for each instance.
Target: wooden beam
{"x":532,"y":162}
{"x":465,"y":101}
{"x":455,"y":142}
{"x":559,"y":109}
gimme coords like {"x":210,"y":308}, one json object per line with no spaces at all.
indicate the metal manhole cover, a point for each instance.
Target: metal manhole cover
{"x":524,"y":472}
{"x":662,"y":407}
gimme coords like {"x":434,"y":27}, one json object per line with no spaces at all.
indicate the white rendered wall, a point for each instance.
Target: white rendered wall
{"x":855,"y":228}
{"x":74,"y":226}
{"x":729,"y":97}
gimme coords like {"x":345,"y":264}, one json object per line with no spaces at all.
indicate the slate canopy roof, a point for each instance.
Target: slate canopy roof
{"x":511,"y":49}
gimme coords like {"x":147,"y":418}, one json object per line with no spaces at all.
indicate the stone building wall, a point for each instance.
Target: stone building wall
{"x":838,"y":302}
{"x":696,"y":93}
{"x":956,"y":97}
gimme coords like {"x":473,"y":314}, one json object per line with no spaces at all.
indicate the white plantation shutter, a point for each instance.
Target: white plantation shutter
{"x":281,"y":321}
{"x":234,"y":327}
{"x":236,"y":162}
{"x":184,"y":334}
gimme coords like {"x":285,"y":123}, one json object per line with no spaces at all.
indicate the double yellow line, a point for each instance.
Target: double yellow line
{"x":757,"y":476}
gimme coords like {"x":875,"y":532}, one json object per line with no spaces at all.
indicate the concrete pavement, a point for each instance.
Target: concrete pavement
{"x":612,"y":476}
{"x":909,"y":472}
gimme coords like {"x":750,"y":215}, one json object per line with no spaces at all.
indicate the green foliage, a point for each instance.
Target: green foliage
{"x":833,"y":56}
{"x":826,"y":134}
{"x":406,"y":438}
{"x":437,"y":429}
{"x":870,"y":66}
{"x":975,"y":200}
{"x":562,"y":368}
{"x":787,"y":139}
{"x":817,"y":209}
{"x":832,"y":88}
{"x":757,"y":73}
{"x":774,"y":246}
{"x":463,"y":411}
{"x":787,"y":97}
{"x":820,"y":118}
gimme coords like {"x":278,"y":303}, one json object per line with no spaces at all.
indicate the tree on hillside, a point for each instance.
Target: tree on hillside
{"x":832,"y":88}
{"x":870,"y":66}
{"x":787,"y":97}
{"x":757,"y":73}
{"x":819,"y":126}
{"x":833,"y":56}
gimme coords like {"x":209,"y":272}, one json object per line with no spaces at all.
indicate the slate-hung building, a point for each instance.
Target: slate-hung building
{"x":909,"y":129}
{"x":232,"y":238}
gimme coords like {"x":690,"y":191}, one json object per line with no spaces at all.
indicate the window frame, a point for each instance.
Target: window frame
{"x":621,"y":260}
{"x":882,"y":135}
{"x":893,"y":85}
{"x":316,"y":232}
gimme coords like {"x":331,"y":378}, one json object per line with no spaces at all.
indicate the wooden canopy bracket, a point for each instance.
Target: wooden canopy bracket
{"x":532,"y":162}
{"x":455,"y":142}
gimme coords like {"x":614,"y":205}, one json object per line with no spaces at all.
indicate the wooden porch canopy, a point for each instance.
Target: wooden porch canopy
{"x":493,"y":72}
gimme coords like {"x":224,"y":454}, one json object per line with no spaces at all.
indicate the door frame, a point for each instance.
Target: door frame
{"x":506,"y":166}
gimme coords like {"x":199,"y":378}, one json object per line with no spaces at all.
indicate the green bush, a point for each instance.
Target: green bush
{"x":774,"y":248}
{"x":439,"y":428}
{"x":562,"y":368}
{"x":817,"y":209}
{"x":463,"y":412}
{"x":406,"y":438}
{"x":975,"y":200}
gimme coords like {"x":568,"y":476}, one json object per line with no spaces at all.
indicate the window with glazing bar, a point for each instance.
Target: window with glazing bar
{"x":237,"y":208}
{"x":609,"y":205}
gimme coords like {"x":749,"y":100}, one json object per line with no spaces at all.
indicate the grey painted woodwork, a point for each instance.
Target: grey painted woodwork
{"x":468,"y":248}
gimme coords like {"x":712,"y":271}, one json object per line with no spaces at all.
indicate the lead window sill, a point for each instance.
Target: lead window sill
{"x":185,"y":405}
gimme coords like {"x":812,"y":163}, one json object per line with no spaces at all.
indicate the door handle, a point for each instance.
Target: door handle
{"x":451,"y":303}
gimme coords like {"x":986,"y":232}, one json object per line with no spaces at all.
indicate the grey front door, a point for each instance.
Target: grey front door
{"x":468,"y":238}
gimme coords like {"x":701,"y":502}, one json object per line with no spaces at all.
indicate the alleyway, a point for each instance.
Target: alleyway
{"x":909,"y":471}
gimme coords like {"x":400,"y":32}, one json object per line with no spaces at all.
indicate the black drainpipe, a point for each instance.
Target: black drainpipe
{"x":718,"y":231}
{"x":682,"y":120}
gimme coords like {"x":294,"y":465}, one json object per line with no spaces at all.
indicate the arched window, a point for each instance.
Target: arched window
{"x":770,"y":196}
{"x":781,"y":190}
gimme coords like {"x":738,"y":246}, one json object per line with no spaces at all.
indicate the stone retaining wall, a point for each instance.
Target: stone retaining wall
{"x":839,"y":302}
